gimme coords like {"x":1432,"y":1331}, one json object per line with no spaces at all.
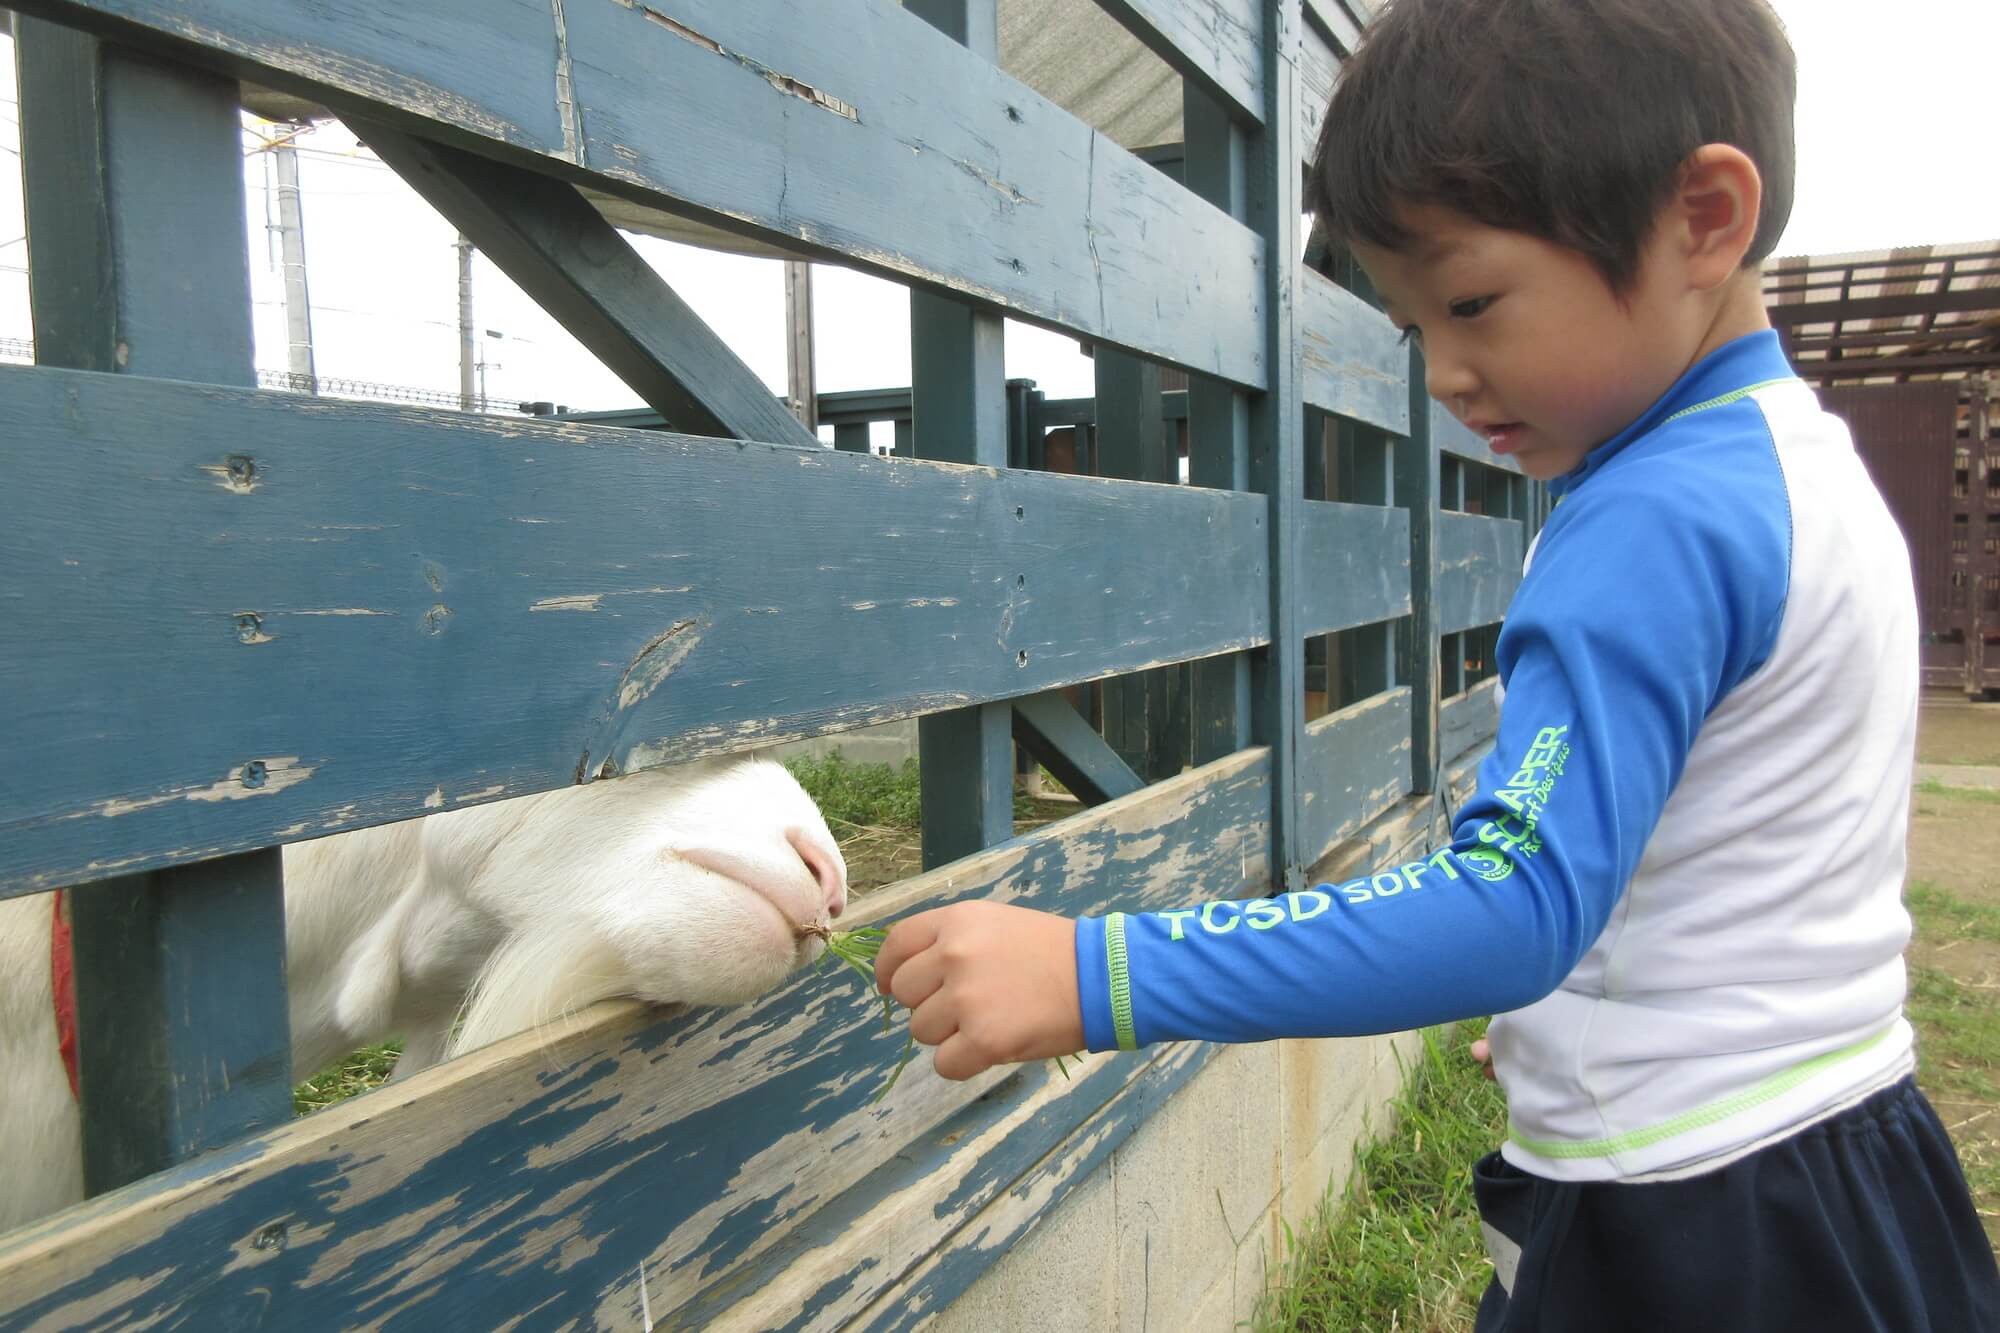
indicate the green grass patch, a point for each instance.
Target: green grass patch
{"x":1958,"y":1034}
{"x":1983,"y":795}
{"x":853,"y":796}
{"x":861,"y":795}
{"x":1940,"y":917}
{"x":1400,"y":1247}
{"x":359,"y":1072}
{"x":1958,"y":1052}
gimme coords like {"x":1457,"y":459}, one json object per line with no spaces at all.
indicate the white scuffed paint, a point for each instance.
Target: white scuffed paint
{"x":279,"y":773}
{"x":580,"y":602}
{"x":656,"y":661}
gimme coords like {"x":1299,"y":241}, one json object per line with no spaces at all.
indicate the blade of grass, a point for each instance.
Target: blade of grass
{"x":856,"y":950}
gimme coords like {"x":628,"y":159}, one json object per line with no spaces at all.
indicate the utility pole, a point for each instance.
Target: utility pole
{"x":799,"y":343}
{"x":292,"y":248}
{"x":468,"y":355}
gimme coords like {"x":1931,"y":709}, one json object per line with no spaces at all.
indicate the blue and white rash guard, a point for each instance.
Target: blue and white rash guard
{"x":1679,"y":882}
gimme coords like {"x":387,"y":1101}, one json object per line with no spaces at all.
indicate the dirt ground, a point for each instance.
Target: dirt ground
{"x":1952,"y":730}
{"x":882,"y":855}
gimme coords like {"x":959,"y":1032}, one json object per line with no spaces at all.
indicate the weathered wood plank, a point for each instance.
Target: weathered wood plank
{"x":1420,"y":821}
{"x":352,"y":614}
{"x":709,"y":1151}
{"x":560,"y":251}
{"x":1354,"y":565}
{"x":1065,"y":744}
{"x":1353,"y":363}
{"x":1449,"y":434}
{"x":1212,"y":43}
{"x":1332,"y":33}
{"x":1469,"y":719}
{"x":945,"y":1273}
{"x":1025,"y":208}
{"x":1338,"y":22}
{"x":1354,"y":765}
{"x":1478,"y":568}
{"x":135,"y":217}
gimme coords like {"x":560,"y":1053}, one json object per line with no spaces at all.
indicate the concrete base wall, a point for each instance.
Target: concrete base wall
{"x":890,"y":743}
{"x":1184,"y":1227}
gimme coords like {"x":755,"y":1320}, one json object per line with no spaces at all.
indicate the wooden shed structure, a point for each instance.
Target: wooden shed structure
{"x":237,"y":618}
{"x":1905,"y":344}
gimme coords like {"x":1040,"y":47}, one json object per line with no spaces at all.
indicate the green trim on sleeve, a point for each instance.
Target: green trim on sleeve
{"x":1781,"y":1082}
{"x":1121,"y":981}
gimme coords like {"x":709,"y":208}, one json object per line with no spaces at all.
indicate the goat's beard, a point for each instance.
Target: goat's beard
{"x":547,"y":975}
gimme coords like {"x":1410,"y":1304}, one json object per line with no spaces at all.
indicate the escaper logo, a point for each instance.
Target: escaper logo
{"x":1486,"y":863}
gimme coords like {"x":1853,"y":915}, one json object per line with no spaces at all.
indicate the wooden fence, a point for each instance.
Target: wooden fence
{"x":237,"y":618}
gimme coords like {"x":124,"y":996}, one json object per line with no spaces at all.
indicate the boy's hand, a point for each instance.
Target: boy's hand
{"x":1482,"y":1051}
{"x":985,"y":983}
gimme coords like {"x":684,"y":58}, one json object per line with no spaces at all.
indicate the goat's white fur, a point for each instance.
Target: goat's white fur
{"x":672,"y":885}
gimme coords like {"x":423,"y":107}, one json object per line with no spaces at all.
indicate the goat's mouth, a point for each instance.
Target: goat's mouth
{"x":814,"y":930}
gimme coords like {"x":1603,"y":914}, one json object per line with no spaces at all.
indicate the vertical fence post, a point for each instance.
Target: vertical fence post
{"x":959,"y":401}
{"x":1417,"y":492}
{"x":138,"y":264}
{"x":1216,"y":167}
{"x":1368,"y":460}
{"x":1132,"y":445}
{"x":1277,"y":424}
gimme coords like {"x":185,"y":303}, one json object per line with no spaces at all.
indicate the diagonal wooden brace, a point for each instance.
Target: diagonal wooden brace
{"x":546,"y":236}
{"x":1069,"y":747}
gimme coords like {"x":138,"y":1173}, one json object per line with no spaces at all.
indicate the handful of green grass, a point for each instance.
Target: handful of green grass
{"x":856,"y":950}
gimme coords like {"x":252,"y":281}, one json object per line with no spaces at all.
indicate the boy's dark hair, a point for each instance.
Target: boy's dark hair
{"x":1566,"y":119}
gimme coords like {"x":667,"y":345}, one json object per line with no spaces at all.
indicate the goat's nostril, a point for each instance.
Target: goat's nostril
{"x":825,"y":870}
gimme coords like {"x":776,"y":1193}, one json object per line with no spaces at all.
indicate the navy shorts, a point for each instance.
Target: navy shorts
{"x":1861,"y":1223}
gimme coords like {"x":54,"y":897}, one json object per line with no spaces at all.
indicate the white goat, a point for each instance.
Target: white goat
{"x":686,"y":884}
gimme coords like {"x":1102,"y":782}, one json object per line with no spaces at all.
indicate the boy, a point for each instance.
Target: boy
{"x":1679,"y":882}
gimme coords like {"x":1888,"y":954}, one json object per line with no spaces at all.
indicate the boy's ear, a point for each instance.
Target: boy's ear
{"x":1715,"y":211}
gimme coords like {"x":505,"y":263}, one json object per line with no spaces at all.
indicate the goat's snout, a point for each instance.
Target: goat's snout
{"x":824,"y":864}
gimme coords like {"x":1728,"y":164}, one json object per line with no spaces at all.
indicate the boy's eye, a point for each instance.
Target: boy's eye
{"x":1471,"y":307}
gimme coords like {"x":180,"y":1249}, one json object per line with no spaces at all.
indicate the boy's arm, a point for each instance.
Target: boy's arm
{"x":1626,"y":633}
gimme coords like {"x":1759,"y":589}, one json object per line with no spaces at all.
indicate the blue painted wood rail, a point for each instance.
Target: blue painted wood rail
{"x":235,"y":619}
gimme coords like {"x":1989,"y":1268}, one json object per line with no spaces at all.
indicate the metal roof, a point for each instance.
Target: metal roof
{"x":1911,"y":312}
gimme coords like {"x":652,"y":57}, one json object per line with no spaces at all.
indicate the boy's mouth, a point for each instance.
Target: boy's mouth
{"x":1501,"y":437}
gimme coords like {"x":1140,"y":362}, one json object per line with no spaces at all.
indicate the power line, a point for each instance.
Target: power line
{"x":336,"y":386}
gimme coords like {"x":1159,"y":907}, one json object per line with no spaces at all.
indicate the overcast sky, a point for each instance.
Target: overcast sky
{"x":1894,"y":131}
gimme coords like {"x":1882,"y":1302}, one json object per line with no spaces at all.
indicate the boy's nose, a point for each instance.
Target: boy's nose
{"x":1448,"y":379}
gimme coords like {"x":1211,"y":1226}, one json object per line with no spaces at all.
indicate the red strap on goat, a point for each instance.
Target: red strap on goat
{"x":62,"y":975}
